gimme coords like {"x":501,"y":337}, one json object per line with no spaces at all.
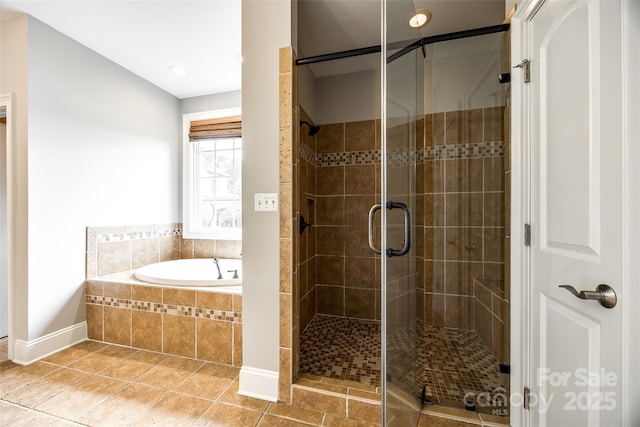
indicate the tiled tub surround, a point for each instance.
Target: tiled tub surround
{"x":123,"y":248}
{"x":204,"y":324}
{"x":200,"y":324}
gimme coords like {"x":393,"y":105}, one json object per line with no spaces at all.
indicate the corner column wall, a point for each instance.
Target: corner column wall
{"x":289,"y":134}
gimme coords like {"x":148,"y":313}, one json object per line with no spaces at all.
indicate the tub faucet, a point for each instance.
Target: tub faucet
{"x":215,"y":261}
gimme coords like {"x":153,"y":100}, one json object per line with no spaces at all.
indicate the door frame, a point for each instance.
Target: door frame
{"x":6,"y":101}
{"x":521,"y":209}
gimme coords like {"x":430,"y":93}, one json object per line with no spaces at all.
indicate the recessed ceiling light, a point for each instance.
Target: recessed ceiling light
{"x":420,"y":18}
{"x":179,"y":70}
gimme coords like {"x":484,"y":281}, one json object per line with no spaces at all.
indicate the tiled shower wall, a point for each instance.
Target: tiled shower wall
{"x":461,"y":184}
{"x":460,"y":215}
{"x":307,"y":203}
{"x":347,"y":272}
{"x":337,"y":175}
{"x":122,"y":248}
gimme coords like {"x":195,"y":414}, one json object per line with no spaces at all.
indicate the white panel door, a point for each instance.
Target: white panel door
{"x":576,"y":212}
{"x":4,"y":284}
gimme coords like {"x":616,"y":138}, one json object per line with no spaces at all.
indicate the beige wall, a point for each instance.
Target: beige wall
{"x":266,"y":27}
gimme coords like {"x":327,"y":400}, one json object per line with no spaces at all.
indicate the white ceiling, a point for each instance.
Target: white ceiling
{"x":147,"y":36}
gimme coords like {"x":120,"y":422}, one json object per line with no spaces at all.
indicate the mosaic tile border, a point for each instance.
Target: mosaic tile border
{"x":135,"y":235}
{"x":464,"y":151}
{"x":308,"y":154}
{"x":349,"y":158}
{"x":157,"y":307}
{"x":399,"y":157}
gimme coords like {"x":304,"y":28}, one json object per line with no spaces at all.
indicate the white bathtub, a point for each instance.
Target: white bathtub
{"x":191,"y":272}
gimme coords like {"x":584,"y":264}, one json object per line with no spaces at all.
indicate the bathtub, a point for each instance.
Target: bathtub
{"x":191,"y":272}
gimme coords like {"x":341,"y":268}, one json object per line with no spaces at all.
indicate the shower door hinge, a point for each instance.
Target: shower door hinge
{"x":526,"y":68}
{"x":526,"y":395}
{"x":527,"y":234}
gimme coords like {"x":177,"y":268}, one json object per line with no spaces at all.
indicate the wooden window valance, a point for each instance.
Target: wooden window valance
{"x":224,"y":127}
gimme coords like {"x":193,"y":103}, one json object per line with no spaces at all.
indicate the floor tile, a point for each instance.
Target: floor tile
{"x":75,"y":402}
{"x":453,"y":364}
{"x":19,"y":376}
{"x":102,"y":359}
{"x":331,"y":420}
{"x":126,"y":406}
{"x":175,"y":410}
{"x":342,"y":348}
{"x":74,"y":353}
{"x":232,"y":397}
{"x":275,"y":421}
{"x":134,"y":365}
{"x":220,"y":414}
{"x":208,"y":382}
{"x":15,"y":416}
{"x":169,"y":372}
{"x":295,"y":413}
{"x":44,"y":389}
{"x":137,"y":388}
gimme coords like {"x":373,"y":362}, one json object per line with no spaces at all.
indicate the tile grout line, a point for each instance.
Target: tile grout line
{"x":48,"y":415}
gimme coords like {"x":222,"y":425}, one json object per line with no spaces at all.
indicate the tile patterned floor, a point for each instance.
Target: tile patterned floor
{"x":96,"y":384}
{"x":456,"y":362}
{"x":342,"y":348}
{"x":107,"y":385}
{"x":453,"y":363}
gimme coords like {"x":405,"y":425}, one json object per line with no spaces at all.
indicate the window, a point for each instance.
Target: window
{"x":212,"y":175}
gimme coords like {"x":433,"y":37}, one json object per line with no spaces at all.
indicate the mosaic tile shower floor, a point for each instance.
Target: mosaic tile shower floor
{"x":455,"y":362}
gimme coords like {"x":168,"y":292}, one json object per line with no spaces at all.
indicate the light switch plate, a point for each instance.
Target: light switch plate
{"x":266,"y":202}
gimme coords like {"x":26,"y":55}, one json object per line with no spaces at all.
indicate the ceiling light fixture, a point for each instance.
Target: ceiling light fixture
{"x":179,"y":70}
{"x":420,"y":18}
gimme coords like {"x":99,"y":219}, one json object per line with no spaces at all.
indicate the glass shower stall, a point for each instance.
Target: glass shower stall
{"x":405,"y":284}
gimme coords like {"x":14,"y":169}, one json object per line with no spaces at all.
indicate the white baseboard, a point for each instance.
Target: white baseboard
{"x":27,"y":352}
{"x":259,"y":383}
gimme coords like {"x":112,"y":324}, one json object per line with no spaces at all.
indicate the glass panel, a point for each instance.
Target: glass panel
{"x":403,"y":98}
{"x":467,"y":300}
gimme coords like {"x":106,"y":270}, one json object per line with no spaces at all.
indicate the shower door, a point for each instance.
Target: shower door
{"x":402,"y":107}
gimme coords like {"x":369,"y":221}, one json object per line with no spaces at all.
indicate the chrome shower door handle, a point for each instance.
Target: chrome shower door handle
{"x":407,"y":229}
{"x":372,"y":228}
{"x":604,"y":294}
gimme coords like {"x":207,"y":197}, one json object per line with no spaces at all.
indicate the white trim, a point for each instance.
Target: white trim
{"x":259,"y":383}
{"x":6,"y":100}
{"x":187,"y":185}
{"x":27,"y":352}
{"x":520,"y":213}
{"x":630,"y":11}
